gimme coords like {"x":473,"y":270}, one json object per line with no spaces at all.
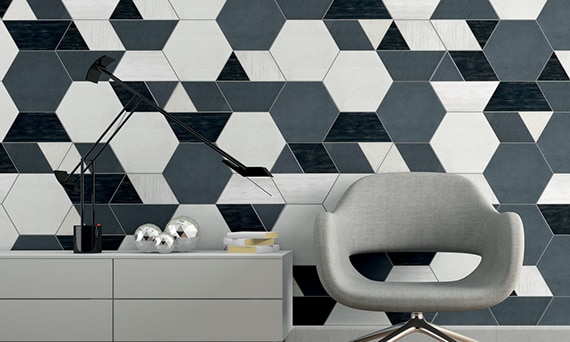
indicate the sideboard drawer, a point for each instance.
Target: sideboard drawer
{"x":56,"y":278}
{"x":231,"y":277}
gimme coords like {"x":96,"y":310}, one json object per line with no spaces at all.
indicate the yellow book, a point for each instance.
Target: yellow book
{"x":252,"y":235}
{"x":248,"y":242}
{"x":253,"y":249}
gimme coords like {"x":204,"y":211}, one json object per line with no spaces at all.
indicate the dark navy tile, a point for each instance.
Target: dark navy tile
{"x":312,"y":310}
{"x":106,"y":162}
{"x":131,"y":216}
{"x":348,"y":35}
{"x":103,"y":216}
{"x":482,"y":29}
{"x":517,"y":97}
{"x":206,"y":96}
{"x":476,"y":317}
{"x":105,"y":187}
{"x":411,"y":112}
{"x":126,"y":193}
{"x":161,"y":91}
{"x":303,"y":9}
{"x":37,"y":35}
{"x":112,"y":242}
{"x":125,"y":96}
{"x":200,"y":181}
{"x":66,"y":242}
{"x":308,"y":280}
{"x":4,"y":4}
{"x":357,"y":9}
{"x":411,"y":65}
{"x":411,"y":259}
{"x":357,"y":127}
{"x":36,"y":127}
{"x":286,"y":162}
{"x":240,"y":217}
{"x":556,"y":94}
{"x":557,"y":312}
{"x":554,"y":142}
{"x":473,"y":66}
{"x":447,"y":70}
{"x":509,"y":127}
{"x":553,"y":22}
{"x":77,"y":63}
{"x":233,"y":71}
{"x":209,"y":125}
{"x":268,"y":213}
{"x":37,"y":75}
{"x":72,"y":40}
{"x":304,"y":112}
{"x":464,"y":9}
{"x":144,"y":34}
{"x":348,"y":158}
{"x":374,"y":266}
{"x":553,"y":71}
{"x":557,"y":216}
{"x":554,"y":265}
{"x":6,"y":163}
{"x":520,"y":310}
{"x":518,"y":173}
{"x":28,"y":158}
{"x":393,"y":39}
{"x":49,"y":9}
{"x":536,"y":231}
{"x":126,"y":9}
{"x":36,"y":242}
{"x":420,"y":157}
{"x":251,"y":96}
{"x":250,"y":24}
{"x":313,"y":158}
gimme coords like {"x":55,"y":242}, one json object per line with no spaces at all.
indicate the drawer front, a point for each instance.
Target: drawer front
{"x":56,"y":320}
{"x":56,"y":278}
{"x":199,"y":278}
{"x":199,"y":320}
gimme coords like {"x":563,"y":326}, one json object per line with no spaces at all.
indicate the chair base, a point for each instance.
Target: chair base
{"x":416,"y":323}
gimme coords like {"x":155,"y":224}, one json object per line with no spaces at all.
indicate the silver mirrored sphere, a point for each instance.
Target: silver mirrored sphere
{"x":185,"y":231}
{"x":145,"y":235}
{"x":164,"y":243}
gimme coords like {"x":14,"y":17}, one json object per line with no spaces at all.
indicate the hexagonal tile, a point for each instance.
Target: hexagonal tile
{"x":250,"y":24}
{"x":145,"y":66}
{"x":145,"y":144}
{"x":552,"y":20}
{"x":554,"y":142}
{"x":203,"y":43}
{"x":416,"y":118}
{"x":517,"y":50}
{"x":304,"y":50}
{"x":9,"y":50}
{"x":554,"y":257}
{"x":358,"y":81}
{"x":464,"y":142}
{"x":38,"y":75}
{"x":98,"y":105}
{"x":37,"y":204}
{"x":518,"y":173}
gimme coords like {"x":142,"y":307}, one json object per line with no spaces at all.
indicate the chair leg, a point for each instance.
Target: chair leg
{"x":379,"y":334}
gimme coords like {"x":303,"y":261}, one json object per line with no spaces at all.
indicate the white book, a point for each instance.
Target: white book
{"x":248,"y":242}
{"x":253,"y":249}
{"x":252,"y":235}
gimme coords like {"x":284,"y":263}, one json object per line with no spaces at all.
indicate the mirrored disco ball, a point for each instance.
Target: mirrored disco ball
{"x":145,"y":235}
{"x":185,"y":231}
{"x":164,"y":243}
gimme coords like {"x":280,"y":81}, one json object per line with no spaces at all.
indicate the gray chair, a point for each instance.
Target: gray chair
{"x":418,"y":212}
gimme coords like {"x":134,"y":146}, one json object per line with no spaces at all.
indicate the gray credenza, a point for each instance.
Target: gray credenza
{"x":196,"y":296}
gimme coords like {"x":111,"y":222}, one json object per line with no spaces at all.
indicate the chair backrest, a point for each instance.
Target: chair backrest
{"x":410,"y":212}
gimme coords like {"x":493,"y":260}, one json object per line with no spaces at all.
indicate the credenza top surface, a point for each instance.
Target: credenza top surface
{"x":134,"y":254}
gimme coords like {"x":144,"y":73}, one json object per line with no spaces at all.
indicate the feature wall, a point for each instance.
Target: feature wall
{"x":321,"y":92}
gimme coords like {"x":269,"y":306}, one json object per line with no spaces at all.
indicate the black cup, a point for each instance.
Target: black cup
{"x":87,"y":239}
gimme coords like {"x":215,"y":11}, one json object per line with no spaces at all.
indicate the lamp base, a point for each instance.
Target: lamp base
{"x":87,"y":238}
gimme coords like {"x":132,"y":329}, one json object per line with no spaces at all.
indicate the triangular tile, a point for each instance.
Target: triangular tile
{"x":125,"y":96}
{"x":72,"y":40}
{"x":447,"y":70}
{"x":348,"y":158}
{"x":4,"y":4}
{"x":536,"y":122}
{"x":126,"y":9}
{"x":268,"y":213}
{"x":55,"y":153}
{"x":286,"y":163}
{"x":312,"y":310}
{"x":49,"y":9}
{"x":553,"y":71}
{"x":308,"y":280}
{"x":407,"y":10}
{"x":126,"y":193}
{"x":393,"y":162}
{"x":162,"y":91}
{"x":557,"y":216}
{"x":6,"y":163}
{"x":357,"y":9}
{"x":179,"y":101}
{"x":375,"y":153}
{"x":482,"y":30}
{"x":393,"y":40}
{"x":19,"y":10}
{"x":375,"y":29}
{"x":233,"y":71}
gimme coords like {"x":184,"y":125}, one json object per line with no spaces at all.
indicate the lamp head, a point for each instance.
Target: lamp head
{"x":94,"y":73}
{"x":248,"y":171}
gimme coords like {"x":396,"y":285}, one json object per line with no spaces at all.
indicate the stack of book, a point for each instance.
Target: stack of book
{"x":251,"y":242}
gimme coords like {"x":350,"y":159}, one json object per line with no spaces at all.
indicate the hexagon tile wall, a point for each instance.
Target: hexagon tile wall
{"x":321,"y":92}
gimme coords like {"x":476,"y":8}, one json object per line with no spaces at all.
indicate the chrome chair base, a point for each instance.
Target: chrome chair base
{"x":416,"y":323}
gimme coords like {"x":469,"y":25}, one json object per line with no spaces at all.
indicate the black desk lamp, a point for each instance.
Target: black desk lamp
{"x":87,"y":238}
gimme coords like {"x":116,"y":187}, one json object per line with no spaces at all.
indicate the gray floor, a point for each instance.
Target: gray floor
{"x":482,"y":334}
